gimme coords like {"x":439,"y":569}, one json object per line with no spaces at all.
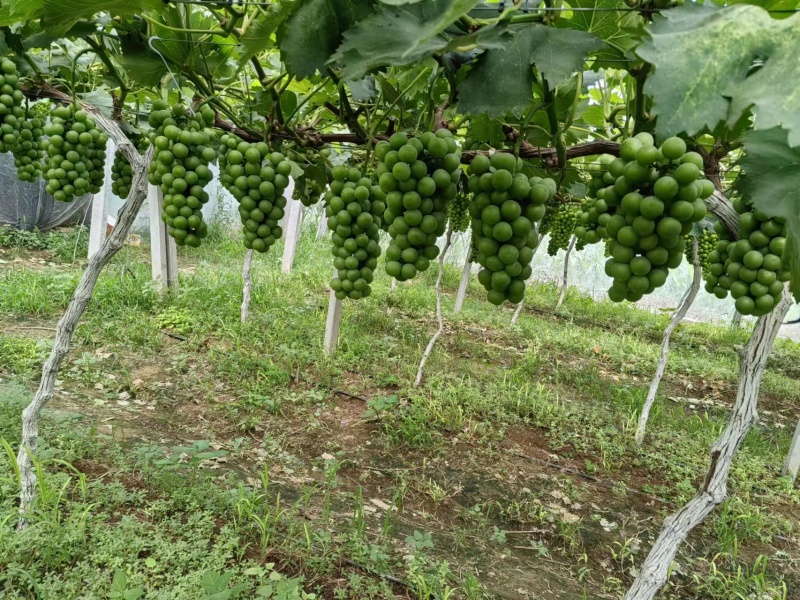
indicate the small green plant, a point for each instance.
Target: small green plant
{"x":215,"y":586}
{"x":120,"y":589}
{"x":177,"y":319}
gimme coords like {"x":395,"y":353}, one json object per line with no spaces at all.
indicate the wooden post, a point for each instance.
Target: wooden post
{"x":99,"y":224}
{"x":462,"y":287}
{"x":323,"y":225}
{"x":332,"y":323}
{"x":247,"y":284}
{"x":564,"y":279}
{"x":291,"y":234}
{"x":163,"y":251}
{"x":792,"y":464}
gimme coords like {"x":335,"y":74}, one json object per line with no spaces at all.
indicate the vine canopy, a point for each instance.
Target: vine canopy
{"x":721,"y":77}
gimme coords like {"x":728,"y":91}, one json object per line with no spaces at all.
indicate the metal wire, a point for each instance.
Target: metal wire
{"x":485,"y":8}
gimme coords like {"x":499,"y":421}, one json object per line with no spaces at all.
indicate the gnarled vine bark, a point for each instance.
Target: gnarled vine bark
{"x":439,"y":318}
{"x":77,"y":305}
{"x":677,"y":317}
{"x":654,"y":570}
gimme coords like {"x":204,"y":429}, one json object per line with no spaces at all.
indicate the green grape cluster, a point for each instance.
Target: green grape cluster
{"x":256,"y":177}
{"x":750,"y":269}
{"x":354,"y":207}
{"x":658,"y":194}
{"x":706,"y":244}
{"x":121,"y":174}
{"x":458,"y":211}
{"x":182,"y":142}
{"x":11,"y":109}
{"x":506,"y":207}
{"x":28,"y":153}
{"x":419,"y":177}
{"x":76,"y":154}
{"x":588,"y":229}
{"x":565,"y":217}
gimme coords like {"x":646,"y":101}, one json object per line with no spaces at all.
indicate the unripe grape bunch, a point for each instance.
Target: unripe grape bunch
{"x":458,"y":211}
{"x":12,"y":113}
{"x":257,"y":178}
{"x":588,"y":230}
{"x":76,"y":154}
{"x":562,"y":226}
{"x":419,"y":177}
{"x":504,"y":211}
{"x":121,"y":173}
{"x":28,"y":153}
{"x":706,"y":244}
{"x":354,"y":208}
{"x":183,"y":151}
{"x":656,"y":194}
{"x":750,"y":269}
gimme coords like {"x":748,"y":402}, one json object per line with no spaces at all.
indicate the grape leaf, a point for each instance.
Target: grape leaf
{"x":397,"y":35}
{"x":558,"y":53}
{"x":258,"y":35}
{"x":771,"y":180}
{"x":617,"y":29}
{"x":314,"y":32}
{"x":703,"y":58}
{"x":501,"y":80}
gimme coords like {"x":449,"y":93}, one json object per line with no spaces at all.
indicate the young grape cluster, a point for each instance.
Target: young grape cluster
{"x":562,"y":226}
{"x":419,"y":177}
{"x":588,"y":229}
{"x":76,"y":154}
{"x":28,"y":152}
{"x":706,"y":244}
{"x":750,"y":269}
{"x":11,"y":109}
{"x":506,"y":206}
{"x":256,"y":177}
{"x":458,"y":211}
{"x":656,"y":196}
{"x":121,"y":174}
{"x":354,"y":207}
{"x":183,"y":151}
{"x":308,"y":189}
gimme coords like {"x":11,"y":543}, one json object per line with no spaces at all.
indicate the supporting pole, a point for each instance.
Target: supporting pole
{"x":332,"y":323}
{"x":323,"y":226}
{"x":291,"y":233}
{"x":163,"y":251}
{"x":247,"y":283}
{"x":99,"y":224}
{"x":566,"y":270}
{"x":677,"y":317}
{"x":713,"y":491}
{"x":736,"y":321}
{"x":462,"y":287}
{"x":522,"y":303}
{"x":792,"y":464}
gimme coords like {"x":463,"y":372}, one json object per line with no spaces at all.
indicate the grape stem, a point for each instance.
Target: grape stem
{"x":439,"y":318}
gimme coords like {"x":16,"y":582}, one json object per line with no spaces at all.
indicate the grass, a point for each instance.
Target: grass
{"x":187,"y":454}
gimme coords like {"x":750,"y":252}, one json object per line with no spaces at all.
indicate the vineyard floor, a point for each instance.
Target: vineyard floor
{"x":194,"y":453}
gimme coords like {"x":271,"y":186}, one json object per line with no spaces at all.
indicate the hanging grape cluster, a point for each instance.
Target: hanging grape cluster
{"x":28,"y":153}
{"x":11,"y":109}
{"x":76,"y":154}
{"x":354,"y":208}
{"x":750,"y":269}
{"x":656,"y":197}
{"x":256,"y":177}
{"x":589,"y":230}
{"x":183,"y":151}
{"x":706,"y":244}
{"x":121,"y":173}
{"x":504,"y":211}
{"x":562,"y":226}
{"x":458,"y":211}
{"x":419,"y":177}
